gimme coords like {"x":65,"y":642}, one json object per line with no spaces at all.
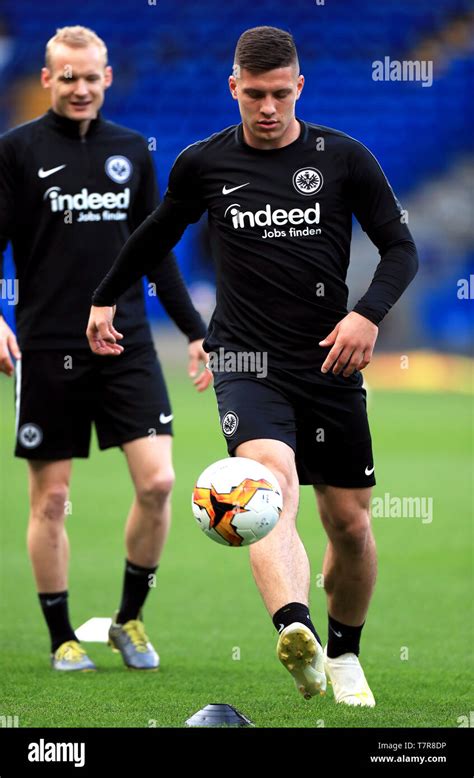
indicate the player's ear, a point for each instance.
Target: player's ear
{"x":233,"y":86}
{"x":108,"y":76}
{"x":45,"y":78}
{"x":299,"y":86}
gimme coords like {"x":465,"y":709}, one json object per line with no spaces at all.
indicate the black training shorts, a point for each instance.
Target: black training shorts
{"x":60,"y":393}
{"x":324,"y":421}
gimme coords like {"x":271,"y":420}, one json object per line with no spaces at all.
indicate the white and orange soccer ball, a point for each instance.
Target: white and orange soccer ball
{"x":236,"y":501}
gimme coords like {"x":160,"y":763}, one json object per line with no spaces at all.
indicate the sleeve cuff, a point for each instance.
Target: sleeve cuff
{"x":374,"y":316}
{"x":198,"y":333}
{"x":101,"y":302}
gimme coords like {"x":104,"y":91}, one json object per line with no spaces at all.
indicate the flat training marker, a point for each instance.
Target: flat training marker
{"x":218,"y":715}
{"x":95,"y":630}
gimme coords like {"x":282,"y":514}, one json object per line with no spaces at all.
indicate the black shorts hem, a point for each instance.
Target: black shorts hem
{"x":246,"y":439}
{"x":103,"y":445}
{"x":341,"y":483}
{"x":50,"y":457}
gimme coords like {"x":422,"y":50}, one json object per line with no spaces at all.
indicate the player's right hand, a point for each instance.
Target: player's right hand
{"x":8,"y":348}
{"x":101,"y":333}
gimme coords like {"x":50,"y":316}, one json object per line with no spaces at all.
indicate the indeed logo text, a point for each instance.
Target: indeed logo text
{"x":85,"y":200}
{"x":278,"y":217}
{"x":266,"y":216}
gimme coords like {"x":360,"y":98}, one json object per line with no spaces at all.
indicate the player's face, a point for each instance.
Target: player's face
{"x":267,"y":104}
{"x":77,"y":80}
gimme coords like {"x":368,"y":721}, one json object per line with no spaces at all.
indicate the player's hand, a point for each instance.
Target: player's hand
{"x":8,"y":348}
{"x":101,"y":333}
{"x":196,"y":355}
{"x":352,"y":340}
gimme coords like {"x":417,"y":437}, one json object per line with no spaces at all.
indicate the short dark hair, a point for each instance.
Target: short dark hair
{"x":265,"y":48}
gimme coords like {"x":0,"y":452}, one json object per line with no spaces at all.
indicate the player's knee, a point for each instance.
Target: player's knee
{"x":357,"y":536}
{"x":350,"y":528}
{"x":51,"y":505}
{"x":286,"y":478}
{"x":156,"y":489}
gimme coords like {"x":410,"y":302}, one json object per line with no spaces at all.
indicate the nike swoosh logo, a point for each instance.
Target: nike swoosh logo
{"x":228,"y":190}
{"x":165,"y":419}
{"x":369,"y":472}
{"x":53,"y":602}
{"x":281,"y":627}
{"x":45,"y":173}
{"x":338,"y":634}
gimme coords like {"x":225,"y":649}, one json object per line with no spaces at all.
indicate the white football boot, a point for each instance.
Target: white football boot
{"x":348,"y":681}
{"x":301,"y":654}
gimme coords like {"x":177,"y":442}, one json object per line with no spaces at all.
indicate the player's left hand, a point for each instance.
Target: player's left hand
{"x":101,"y":333}
{"x":352,"y":340}
{"x":196,"y":355}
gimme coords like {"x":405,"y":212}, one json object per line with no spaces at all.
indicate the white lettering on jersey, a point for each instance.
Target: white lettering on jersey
{"x":113,"y":205}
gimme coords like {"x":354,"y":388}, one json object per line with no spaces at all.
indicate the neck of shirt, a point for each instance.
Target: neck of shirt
{"x":301,"y":139}
{"x":71,"y":127}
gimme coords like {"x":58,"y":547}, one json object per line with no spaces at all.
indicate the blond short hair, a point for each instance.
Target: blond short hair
{"x":76,"y":37}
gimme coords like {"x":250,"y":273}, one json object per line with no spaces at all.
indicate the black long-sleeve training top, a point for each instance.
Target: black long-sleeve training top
{"x":68,"y":204}
{"x":281,"y":223}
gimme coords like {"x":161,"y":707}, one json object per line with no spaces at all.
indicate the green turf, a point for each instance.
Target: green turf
{"x":206,"y":605}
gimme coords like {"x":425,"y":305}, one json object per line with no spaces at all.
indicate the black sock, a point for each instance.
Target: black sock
{"x":136,"y":585}
{"x":294,"y":611}
{"x":55,"y":611}
{"x":342,"y":639}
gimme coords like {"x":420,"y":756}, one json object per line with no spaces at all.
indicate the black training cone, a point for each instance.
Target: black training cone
{"x":218,"y":715}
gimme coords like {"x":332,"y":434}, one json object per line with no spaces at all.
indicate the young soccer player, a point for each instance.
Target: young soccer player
{"x":280,"y":193}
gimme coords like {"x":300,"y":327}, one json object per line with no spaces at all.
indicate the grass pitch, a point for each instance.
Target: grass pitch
{"x":205,"y":616}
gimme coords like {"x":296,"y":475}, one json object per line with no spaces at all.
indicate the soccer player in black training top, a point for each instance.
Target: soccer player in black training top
{"x":72,"y":188}
{"x":280,"y":194}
